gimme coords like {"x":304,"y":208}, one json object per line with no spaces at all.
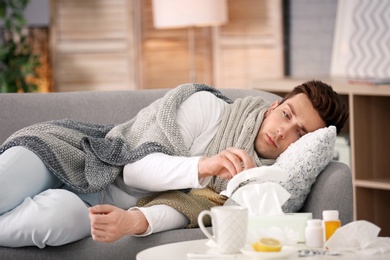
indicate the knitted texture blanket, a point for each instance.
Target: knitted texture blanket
{"x":189,"y":204}
{"x":87,"y":157}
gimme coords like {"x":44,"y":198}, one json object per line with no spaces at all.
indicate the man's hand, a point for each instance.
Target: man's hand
{"x":226,"y":164}
{"x":110,"y":223}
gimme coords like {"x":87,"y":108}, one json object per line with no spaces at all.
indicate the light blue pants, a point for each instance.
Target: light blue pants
{"x":35,"y":207}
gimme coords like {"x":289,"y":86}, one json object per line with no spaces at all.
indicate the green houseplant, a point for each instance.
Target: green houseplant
{"x":17,"y":62}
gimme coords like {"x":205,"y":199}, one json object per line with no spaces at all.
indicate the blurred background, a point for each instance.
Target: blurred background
{"x":114,"y":45}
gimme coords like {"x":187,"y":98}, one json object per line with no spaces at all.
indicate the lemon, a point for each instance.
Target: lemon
{"x":267,"y":245}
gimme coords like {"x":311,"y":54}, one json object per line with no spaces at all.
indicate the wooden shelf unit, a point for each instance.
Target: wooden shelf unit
{"x":369,"y":132}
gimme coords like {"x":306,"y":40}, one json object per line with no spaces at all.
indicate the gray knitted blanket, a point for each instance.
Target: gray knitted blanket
{"x":88,"y":157}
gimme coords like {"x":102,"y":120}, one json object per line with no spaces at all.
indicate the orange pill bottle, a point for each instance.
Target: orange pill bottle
{"x":331,"y":222}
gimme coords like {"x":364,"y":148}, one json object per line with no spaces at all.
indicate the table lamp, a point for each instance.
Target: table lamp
{"x":173,"y":14}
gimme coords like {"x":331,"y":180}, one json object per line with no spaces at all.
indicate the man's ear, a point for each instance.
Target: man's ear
{"x":272,"y":107}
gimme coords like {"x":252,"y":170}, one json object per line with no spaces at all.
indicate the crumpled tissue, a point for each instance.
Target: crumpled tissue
{"x":360,"y":237}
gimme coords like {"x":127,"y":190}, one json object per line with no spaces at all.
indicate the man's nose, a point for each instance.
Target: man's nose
{"x":281,"y":132}
{"x":285,"y":130}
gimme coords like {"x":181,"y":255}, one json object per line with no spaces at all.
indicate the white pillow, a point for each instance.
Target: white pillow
{"x":304,"y":160}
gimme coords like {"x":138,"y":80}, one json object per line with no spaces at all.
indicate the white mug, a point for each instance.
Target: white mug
{"x":230,"y":225}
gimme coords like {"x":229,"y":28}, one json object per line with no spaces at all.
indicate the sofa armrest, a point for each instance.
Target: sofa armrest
{"x":332,"y":191}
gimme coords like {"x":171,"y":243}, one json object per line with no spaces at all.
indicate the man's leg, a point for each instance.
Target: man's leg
{"x":51,"y":218}
{"x":22,"y":174}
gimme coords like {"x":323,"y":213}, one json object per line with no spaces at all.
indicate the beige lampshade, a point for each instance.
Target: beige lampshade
{"x":187,"y":13}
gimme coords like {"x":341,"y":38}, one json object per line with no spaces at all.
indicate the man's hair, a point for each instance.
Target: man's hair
{"x":325,"y":100}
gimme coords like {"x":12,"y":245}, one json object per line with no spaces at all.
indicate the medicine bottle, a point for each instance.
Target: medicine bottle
{"x":314,"y":233}
{"x":331,"y":222}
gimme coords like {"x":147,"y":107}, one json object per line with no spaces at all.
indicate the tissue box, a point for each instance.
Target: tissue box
{"x":294,"y":221}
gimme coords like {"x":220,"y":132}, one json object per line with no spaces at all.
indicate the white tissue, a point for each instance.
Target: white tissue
{"x":263,"y":173}
{"x":262,"y":199}
{"x":360,"y":237}
{"x":260,"y":196}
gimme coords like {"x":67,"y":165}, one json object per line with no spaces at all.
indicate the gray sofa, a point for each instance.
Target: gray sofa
{"x":333,"y":189}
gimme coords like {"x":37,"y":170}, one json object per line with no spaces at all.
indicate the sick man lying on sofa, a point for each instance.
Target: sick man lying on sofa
{"x":61,"y":181}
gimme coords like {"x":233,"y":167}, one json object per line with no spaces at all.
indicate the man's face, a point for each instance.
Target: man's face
{"x":285,"y":124}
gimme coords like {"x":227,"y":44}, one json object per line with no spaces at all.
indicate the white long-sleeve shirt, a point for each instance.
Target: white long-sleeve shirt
{"x":198,"y":119}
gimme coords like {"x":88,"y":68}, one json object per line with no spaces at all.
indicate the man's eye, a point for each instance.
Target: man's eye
{"x":285,"y":114}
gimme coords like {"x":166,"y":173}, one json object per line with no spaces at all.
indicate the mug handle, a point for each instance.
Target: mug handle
{"x":201,"y":224}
